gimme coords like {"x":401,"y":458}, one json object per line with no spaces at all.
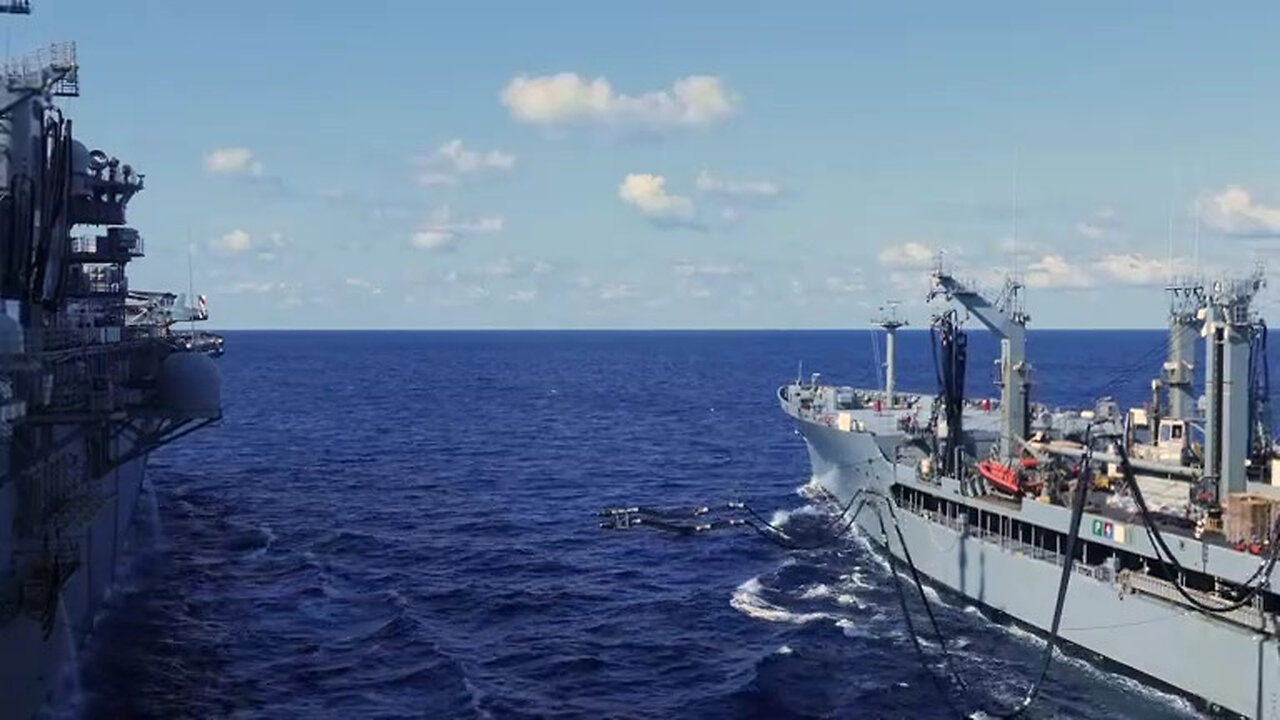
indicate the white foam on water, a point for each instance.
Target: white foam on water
{"x":269,"y":539}
{"x":811,"y":490}
{"x":1129,"y":684}
{"x":929,"y":592}
{"x":784,"y":650}
{"x":748,"y":601}
{"x":858,"y":580}
{"x":871,"y":550}
{"x":475,"y":697}
{"x":815,"y":592}
{"x":875,"y":627}
{"x":848,"y":599}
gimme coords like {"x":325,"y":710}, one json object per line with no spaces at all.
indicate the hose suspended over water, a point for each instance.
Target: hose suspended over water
{"x":953,"y":346}
{"x":1166,"y":558}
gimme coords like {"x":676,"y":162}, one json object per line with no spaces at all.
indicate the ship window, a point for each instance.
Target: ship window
{"x":1177,"y":432}
{"x":1164,"y":433}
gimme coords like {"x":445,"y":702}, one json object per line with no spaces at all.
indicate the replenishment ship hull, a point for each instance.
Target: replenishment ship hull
{"x":996,"y":567}
{"x":1005,"y":549}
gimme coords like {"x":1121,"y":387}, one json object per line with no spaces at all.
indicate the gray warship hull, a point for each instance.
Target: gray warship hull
{"x":92,"y":378}
{"x":34,"y":666}
{"x":1128,"y":618}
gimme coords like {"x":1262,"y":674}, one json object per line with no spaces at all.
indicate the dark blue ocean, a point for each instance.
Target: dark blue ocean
{"x":403,"y":525}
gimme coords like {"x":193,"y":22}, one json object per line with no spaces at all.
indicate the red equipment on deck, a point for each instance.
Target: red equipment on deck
{"x":1007,"y":479}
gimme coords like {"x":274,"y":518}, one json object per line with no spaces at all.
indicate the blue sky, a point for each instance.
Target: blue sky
{"x":729,"y":164}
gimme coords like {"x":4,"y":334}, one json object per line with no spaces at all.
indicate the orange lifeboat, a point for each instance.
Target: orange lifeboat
{"x":1005,"y":478}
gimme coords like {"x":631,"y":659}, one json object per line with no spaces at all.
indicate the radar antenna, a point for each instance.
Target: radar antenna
{"x":52,"y":70}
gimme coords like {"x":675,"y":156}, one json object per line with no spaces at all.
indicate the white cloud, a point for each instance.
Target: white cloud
{"x":233,"y":243}
{"x":700,"y":292}
{"x":567,"y":98}
{"x":362,"y":284}
{"x":908,"y":255}
{"x":1102,"y":225}
{"x":844,"y":286}
{"x":431,"y":178}
{"x":689,"y":269}
{"x":452,"y":159}
{"x":264,"y":287}
{"x":1055,"y":271}
{"x":1089,"y":230}
{"x":515,"y":267}
{"x":1233,"y":211}
{"x":909,"y":282}
{"x":253,"y":288}
{"x":648,"y":193}
{"x":617,"y":291}
{"x":737,"y":190}
{"x":1137,"y":269}
{"x":523,"y":296}
{"x":1021,"y":246}
{"x":441,"y":231}
{"x":232,"y":161}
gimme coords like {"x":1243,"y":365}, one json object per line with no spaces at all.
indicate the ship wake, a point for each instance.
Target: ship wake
{"x":850,"y":589}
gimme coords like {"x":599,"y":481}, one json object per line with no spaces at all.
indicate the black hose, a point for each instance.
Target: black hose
{"x":783,"y":540}
{"x":1077,"y":514}
{"x":836,"y":520}
{"x":943,"y":691}
{"x":1159,"y":546}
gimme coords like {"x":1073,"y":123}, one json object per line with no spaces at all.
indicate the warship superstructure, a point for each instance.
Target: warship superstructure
{"x":1171,"y":572}
{"x":92,"y":377}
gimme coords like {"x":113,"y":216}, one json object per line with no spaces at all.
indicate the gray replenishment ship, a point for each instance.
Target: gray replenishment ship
{"x":984,"y":491}
{"x":91,"y":377}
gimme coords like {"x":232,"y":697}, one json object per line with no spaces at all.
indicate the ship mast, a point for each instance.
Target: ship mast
{"x":1007,"y":320}
{"x":890,"y":322}
{"x":1186,"y":297}
{"x":1228,"y":332}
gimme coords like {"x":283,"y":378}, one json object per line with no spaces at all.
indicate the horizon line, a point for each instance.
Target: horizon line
{"x":655,"y":329}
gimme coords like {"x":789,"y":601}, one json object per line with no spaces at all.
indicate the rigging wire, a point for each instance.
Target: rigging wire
{"x":1128,"y":371}
{"x":1077,"y":513}
{"x":861,"y":496}
{"x":1162,"y":551}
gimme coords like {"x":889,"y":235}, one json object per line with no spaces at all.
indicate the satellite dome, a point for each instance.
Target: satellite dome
{"x":191,"y":385}
{"x":79,"y":158}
